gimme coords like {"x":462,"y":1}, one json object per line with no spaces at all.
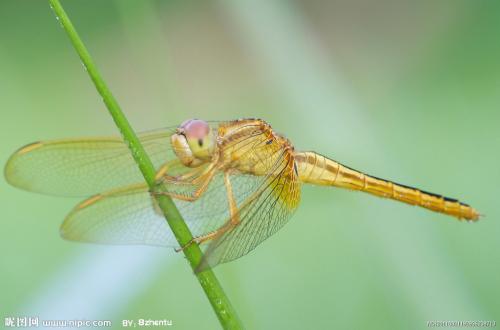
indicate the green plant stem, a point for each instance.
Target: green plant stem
{"x":213,"y":290}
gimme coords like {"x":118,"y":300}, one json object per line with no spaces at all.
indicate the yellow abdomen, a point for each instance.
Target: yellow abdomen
{"x":317,"y":169}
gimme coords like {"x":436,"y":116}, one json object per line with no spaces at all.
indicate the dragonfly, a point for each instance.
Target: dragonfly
{"x":235,"y":183}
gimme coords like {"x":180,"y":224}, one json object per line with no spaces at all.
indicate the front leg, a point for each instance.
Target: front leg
{"x":191,"y":177}
{"x":201,"y":182}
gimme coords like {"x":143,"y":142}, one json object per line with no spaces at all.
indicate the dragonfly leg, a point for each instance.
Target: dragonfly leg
{"x":187,"y":178}
{"x":162,"y":175}
{"x":198,"y":240}
{"x":203,"y":182}
{"x":233,"y":221}
{"x":233,"y":207}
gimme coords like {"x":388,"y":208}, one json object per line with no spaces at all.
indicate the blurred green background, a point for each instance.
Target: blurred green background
{"x":408,"y":91}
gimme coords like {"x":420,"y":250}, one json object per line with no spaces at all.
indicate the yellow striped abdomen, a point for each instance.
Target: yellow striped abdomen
{"x":317,"y":169}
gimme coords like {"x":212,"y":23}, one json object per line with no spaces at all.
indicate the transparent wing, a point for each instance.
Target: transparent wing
{"x":82,"y":167}
{"x":131,"y":216}
{"x":124,"y":216}
{"x":263,"y":210}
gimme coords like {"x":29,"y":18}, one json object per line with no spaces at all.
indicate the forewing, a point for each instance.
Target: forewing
{"x":82,"y":167}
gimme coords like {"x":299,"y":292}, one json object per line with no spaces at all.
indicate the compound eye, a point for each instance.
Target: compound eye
{"x":195,"y":128}
{"x":199,"y":138}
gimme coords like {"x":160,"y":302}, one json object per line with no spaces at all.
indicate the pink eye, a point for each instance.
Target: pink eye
{"x":195,"y":128}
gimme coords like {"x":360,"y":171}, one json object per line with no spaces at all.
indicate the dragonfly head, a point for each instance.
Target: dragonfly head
{"x":193,"y":142}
